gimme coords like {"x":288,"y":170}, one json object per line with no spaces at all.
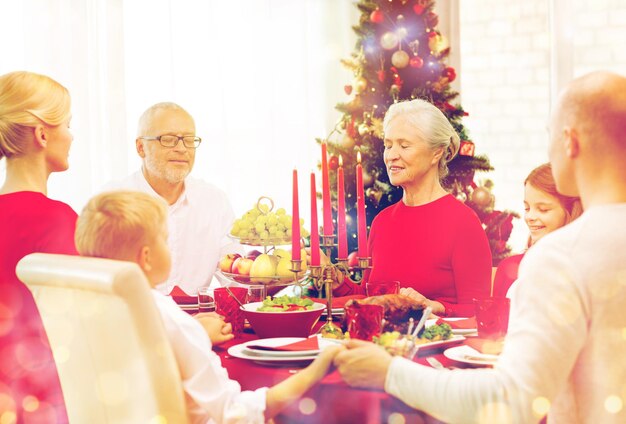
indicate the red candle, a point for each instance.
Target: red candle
{"x":315,"y":235}
{"x":360,"y":210}
{"x":328,"y":213}
{"x":295,"y":220}
{"x":342,"y":239}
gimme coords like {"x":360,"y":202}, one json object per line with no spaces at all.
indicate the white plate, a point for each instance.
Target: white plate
{"x":278,"y":341}
{"x":240,"y":350}
{"x":451,"y":340}
{"x":463,"y":331}
{"x":469,"y":355}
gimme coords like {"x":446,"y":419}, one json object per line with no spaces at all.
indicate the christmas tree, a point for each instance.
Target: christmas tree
{"x":400,"y":55}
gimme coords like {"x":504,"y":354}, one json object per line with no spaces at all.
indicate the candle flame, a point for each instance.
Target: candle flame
{"x":340,"y":160}
{"x":358,"y":157}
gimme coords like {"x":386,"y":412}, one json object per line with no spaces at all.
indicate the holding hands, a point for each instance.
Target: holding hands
{"x":216,"y":328}
{"x":363,"y":364}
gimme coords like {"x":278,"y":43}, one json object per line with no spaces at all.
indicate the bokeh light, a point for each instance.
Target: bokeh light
{"x":307,"y":406}
{"x":541,"y":406}
{"x":613,"y":404}
{"x":396,"y":418}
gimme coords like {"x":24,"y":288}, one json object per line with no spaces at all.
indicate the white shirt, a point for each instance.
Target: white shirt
{"x":566,"y":345}
{"x":198,"y":225}
{"x":209,"y":394}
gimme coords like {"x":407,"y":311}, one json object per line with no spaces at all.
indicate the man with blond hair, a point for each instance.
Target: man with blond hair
{"x":565,"y":349}
{"x":199,"y":213}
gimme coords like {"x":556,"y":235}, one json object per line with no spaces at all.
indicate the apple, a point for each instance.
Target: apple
{"x":253,"y":254}
{"x":242,"y":266}
{"x":353,"y":260}
{"x":226,"y":263}
{"x":262,"y":267}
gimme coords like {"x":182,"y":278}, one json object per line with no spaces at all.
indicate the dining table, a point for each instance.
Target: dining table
{"x":331,"y":400}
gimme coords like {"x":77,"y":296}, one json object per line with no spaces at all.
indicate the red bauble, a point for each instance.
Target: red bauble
{"x":416,"y":62}
{"x":333,"y":162}
{"x":347,"y":89}
{"x":377,"y":16}
{"x":418,"y":9}
{"x":381,"y":75}
{"x":432,"y":19}
{"x":449,"y":73}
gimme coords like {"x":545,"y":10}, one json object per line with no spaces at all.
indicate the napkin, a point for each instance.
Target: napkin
{"x":485,"y":346}
{"x":461,"y":324}
{"x":182,"y":298}
{"x":307,"y":344}
{"x":339,"y":302}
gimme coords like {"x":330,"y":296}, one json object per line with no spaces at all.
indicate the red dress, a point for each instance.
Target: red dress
{"x":30,"y":223}
{"x":506,"y":274}
{"x":439,"y":249}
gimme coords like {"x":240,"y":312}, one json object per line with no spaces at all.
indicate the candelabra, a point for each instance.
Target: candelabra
{"x":325,"y":276}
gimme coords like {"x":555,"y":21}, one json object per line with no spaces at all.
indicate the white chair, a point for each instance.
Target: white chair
{"x":113,"y":357}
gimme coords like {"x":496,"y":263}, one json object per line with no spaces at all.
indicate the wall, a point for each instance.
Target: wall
{"x":507,"y":75}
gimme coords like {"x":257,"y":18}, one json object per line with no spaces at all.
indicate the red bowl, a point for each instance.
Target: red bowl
{"x":282,"y":324}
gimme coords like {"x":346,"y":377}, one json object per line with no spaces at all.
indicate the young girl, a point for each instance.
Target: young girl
{"x":545,"y":210}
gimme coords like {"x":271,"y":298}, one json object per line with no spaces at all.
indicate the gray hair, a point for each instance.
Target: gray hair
{"x":146,"y":118}
{"x":431,"y":124}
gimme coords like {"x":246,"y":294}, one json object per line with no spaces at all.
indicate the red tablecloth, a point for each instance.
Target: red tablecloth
{"x":331,"y":401}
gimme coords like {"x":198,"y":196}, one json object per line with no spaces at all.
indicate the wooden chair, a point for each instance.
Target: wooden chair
{"x":112,"y":354}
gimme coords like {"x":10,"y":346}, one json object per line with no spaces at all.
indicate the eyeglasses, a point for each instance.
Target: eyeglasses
{"x":170,"y":141}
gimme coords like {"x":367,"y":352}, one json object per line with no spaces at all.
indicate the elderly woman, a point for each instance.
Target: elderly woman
{"x":35,"y":140}
{"x":430,"y":242}
{"x":545,"y":210}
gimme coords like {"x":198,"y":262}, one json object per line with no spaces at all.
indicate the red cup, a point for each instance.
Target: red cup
{"x":377,"y":288}
{"x":227,"y":306}
{"x":492,"y":316}
{"x":364,"y":321}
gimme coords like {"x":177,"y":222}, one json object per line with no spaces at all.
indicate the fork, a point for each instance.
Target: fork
{"x":434,"y":362}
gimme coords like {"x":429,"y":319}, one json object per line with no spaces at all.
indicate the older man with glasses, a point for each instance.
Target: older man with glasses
{"x":200,"y":214}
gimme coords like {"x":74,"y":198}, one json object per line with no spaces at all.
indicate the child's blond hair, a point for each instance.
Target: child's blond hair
{"x":117,"y":224}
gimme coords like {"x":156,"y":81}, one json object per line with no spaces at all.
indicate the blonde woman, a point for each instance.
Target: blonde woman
{"x":34,"y":141}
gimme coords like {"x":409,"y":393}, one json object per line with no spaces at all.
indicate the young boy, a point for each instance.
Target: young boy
{"x":131,"y":226}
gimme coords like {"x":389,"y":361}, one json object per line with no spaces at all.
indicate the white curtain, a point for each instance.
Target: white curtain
{"x":261,"y":78}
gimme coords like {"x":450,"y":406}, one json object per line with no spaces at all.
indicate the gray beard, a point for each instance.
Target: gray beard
{"x":172,"y":176}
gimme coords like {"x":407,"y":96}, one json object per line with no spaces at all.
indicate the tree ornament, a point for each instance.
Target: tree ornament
{"x":466,"y":148}
{"x":431,"y":19}
{"x":482,"y":197}
{"x":389,"y":40}
{"x":418,"y":9}
{"x":400,"y":59}
{"x":461,"y":196}
{"x":449,"y":73}
{"x":350,"y":130}
{"x":437,"y":43}
{"x":381,"y":75}
{"x":348,"y":89}
{"x":359,"y":84}
{"x":416,"y":62}
{"x":347,"y":142}
{"x":363,"y":129}
{"x":374,"y":194}
{"x":333,"y":162}
{"x":377,"y":16}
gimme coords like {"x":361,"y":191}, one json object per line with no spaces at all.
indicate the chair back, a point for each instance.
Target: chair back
{"x":109,"y":343}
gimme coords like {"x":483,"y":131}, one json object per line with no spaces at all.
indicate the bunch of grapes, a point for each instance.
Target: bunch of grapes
{"x":261,"y":225}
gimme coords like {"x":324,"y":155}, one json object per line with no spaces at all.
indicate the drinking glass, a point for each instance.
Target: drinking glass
{"x":377,"y":288}
{"x":227,"y":306}
{"x":206,"y":303}
{"x":492,"y":316}
{"x":364,"y":321}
